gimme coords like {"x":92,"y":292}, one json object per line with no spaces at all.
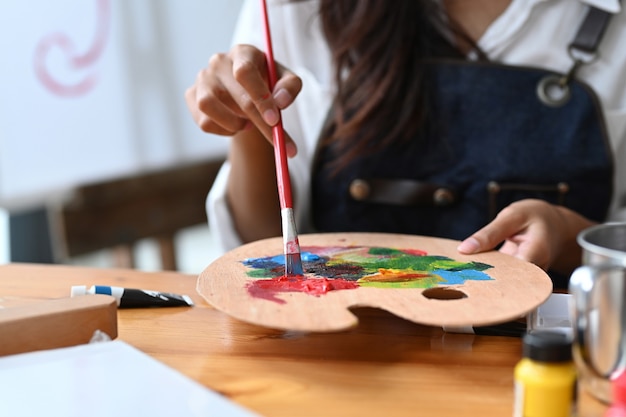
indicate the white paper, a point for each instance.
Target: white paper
{"x":111,"y":379}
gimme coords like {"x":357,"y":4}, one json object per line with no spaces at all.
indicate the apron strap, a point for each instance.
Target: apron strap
{"x":554,"y":90}
{"x":591,"y":31}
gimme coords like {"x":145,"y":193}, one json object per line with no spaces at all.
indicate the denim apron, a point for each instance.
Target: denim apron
{"x":494,"y":140}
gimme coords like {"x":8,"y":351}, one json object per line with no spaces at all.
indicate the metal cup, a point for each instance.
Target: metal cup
{"x":598,"y":308}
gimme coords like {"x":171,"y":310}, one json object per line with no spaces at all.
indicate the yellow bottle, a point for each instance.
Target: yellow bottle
{"x":545,"y":379}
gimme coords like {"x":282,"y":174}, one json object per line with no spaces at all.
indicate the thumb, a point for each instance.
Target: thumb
{"x":487,"y":238}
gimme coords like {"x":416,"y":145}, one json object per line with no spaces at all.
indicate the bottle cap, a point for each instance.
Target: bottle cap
{"x":78,"y":290}
{"x":547,"y":346}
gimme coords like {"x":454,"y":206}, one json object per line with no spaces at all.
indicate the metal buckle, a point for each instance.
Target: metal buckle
{"x":554,"y":90}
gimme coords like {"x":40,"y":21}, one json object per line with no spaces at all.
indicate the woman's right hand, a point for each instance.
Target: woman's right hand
{"x":232,"y":94}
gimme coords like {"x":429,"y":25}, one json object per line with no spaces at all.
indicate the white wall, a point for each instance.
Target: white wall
{"x":93,"y":89}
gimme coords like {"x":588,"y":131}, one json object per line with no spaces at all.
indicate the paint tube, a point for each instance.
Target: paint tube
{"x":135,"y":298}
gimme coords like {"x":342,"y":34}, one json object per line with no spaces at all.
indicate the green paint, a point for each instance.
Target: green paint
{"x":378,"y":267}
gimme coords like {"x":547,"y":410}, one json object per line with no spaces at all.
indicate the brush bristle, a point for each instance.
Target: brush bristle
{"x":293,"y":265}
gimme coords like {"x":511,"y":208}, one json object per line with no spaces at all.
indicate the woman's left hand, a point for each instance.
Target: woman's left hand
{"x":535,"y":231}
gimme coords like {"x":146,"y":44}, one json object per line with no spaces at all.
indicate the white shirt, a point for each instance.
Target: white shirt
{"x":529,"y":33}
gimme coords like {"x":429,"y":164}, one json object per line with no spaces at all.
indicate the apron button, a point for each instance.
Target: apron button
{"x":443,"y":197}
{"x":360,"y":189}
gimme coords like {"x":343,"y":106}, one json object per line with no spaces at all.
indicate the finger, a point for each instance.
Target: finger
{"x":210,"y":105}
{"x":211,"y":115}
{"x":217,"y":104}
{"x":215,"y":96}
{"x":490,"y":236}
{"x":250,"y":71}
{"x":531,"y":250}
{"x":254,"y":118}
{"x":253,"y":105}
{"x":287,"y":87}
{"x":483,"y":240}
{"x":234,"y":103}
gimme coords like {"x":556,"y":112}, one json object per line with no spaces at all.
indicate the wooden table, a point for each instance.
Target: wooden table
{"x":385,"y":367}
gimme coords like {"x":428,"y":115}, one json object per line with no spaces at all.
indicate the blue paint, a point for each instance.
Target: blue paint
{"x":459,"y":277}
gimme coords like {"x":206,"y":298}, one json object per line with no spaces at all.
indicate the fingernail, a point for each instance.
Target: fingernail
{"x":469,"y":245}
{"x":282,"y":98}
{"x":291,"y":149}
{"x":270,"y":116}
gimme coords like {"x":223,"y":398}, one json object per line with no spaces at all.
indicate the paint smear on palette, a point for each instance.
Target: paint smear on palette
{"x":331,"y":268}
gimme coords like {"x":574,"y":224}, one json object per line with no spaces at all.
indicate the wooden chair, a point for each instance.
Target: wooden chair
{"x":116,"y":214}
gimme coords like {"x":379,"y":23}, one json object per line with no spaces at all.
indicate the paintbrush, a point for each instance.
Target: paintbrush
{"x":293,"y":260}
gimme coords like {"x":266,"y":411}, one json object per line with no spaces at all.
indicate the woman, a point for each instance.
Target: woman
{"x":426,"y":117}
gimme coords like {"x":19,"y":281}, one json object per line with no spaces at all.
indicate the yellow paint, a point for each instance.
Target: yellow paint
{"x":544,"y":389}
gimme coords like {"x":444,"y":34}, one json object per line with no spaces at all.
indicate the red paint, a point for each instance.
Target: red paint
{"x":416,"y":252}
{"x":618,"y":408}
{"x":268,"y":289}
{"x":292,"y":246}
{"x":76,"y":61}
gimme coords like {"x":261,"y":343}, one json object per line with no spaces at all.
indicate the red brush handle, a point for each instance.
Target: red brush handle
{"x":278,"y":133}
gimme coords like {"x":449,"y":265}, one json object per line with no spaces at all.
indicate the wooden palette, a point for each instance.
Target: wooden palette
{"x":422,"y":279}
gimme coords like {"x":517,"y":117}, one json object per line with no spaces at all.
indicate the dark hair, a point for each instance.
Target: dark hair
{"x":378,"y":49}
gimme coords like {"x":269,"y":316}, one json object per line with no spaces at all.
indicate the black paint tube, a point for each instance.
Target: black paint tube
{"x":135,"y":298}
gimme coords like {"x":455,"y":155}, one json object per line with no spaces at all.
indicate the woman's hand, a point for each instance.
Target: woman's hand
{"x":232,"y":94}
{"x":534,"y":231}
